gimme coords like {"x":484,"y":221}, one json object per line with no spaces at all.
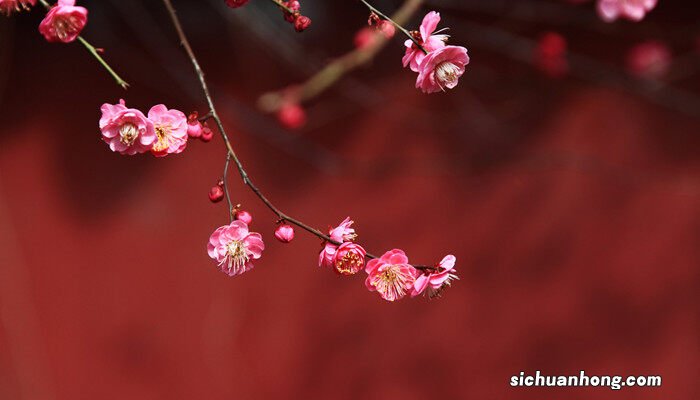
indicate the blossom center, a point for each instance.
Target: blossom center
{"x":392,"y":282}
{"x":349,"y":264}
{"x":447,"y":74}
{"x":128,"y":133}
{"x":163,"y":134}
{"x":236,"y":256}
{"x":66,"y":26}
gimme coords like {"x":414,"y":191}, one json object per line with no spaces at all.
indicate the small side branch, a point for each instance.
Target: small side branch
{"x":95,"y":53}
{"x":231,"y":154}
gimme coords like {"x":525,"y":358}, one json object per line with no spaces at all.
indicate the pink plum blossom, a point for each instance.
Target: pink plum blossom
{"x":390,"y":275}
{"x":126,"y":130}
{"x":340,"y":234}
{"x":414,"y":55}
{"x":64,"y":22}
{"x":234,"y":248}
{"x":634,"y":10}
{"x":349,"y":258}
{"x":432,"y":283}
{"x":8,"y":6}
{"x":171,"y":130}
{"x":441,"y":69}
{"x":327,"y":255}
{"x":343,"y":232}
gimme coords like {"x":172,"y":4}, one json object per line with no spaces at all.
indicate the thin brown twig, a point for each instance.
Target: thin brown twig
{"x":335,"y":70}
{"x":281,"y":5}
{"x":397,"y":24}
{"x":231,"y":153}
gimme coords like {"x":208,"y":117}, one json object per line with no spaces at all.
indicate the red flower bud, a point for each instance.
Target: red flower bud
{"x":207,"y":134}
{"x":216,"y":194}
{"x":302,"y":23}
{"x":295,"y":6}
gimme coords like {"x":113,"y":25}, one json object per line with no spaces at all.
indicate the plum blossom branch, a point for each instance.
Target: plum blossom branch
{"x":281,"y":5}
{"x":282,"y":217}
{"x":397,"y":25}
{"x":95,"y":53}
{"x":336,"y":69}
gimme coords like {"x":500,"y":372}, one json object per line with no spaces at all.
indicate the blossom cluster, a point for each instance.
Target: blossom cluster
{"x":612,"y":10}
{"x":634,"y":10}
{"x":291,"y":11}
{"x":161,"y":132}
{"x":439,"y":66}
{"x":233,"y":247}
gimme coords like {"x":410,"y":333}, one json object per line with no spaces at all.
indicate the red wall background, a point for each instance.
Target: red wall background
{"x":572,"y":207}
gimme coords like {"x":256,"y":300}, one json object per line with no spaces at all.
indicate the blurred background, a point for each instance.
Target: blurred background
{"x":568,"y":189}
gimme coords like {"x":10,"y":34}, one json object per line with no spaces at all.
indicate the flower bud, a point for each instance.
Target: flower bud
{"x":294,"y":6}
{"x":216,"y":193}
{"x":244,"y":216}
{"x":194,"y":127}
{"x":207,"y":134}
{"x":302,"y":23}
{"x":284,"y":233}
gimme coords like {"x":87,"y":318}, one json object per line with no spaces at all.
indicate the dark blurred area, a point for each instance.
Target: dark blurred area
{"x":572,"y":206}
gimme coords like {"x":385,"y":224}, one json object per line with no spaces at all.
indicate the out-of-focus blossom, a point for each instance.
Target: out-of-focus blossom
{"x":7,"y":7}
{"x":634,"y":10}
{"x":291,"y":115}
{"x":441,"y":69}
{"x":367,"y":36}
{"x":171,"y":129}
{"x":649,"y":60}
{"x":236,"y":3}
{"x":126,"y":130}
{"x":434,"y":282}
{"x":386,"y":28}
{"x":427,"y":38}
{"x":284,"y":233}
{"x":234,"y":248}
{"x":550,"y":55}
{"x":390,"y":275}
{"x":349,"y":258}
{"x":245,"y":216}
{"x":64,"y":22}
